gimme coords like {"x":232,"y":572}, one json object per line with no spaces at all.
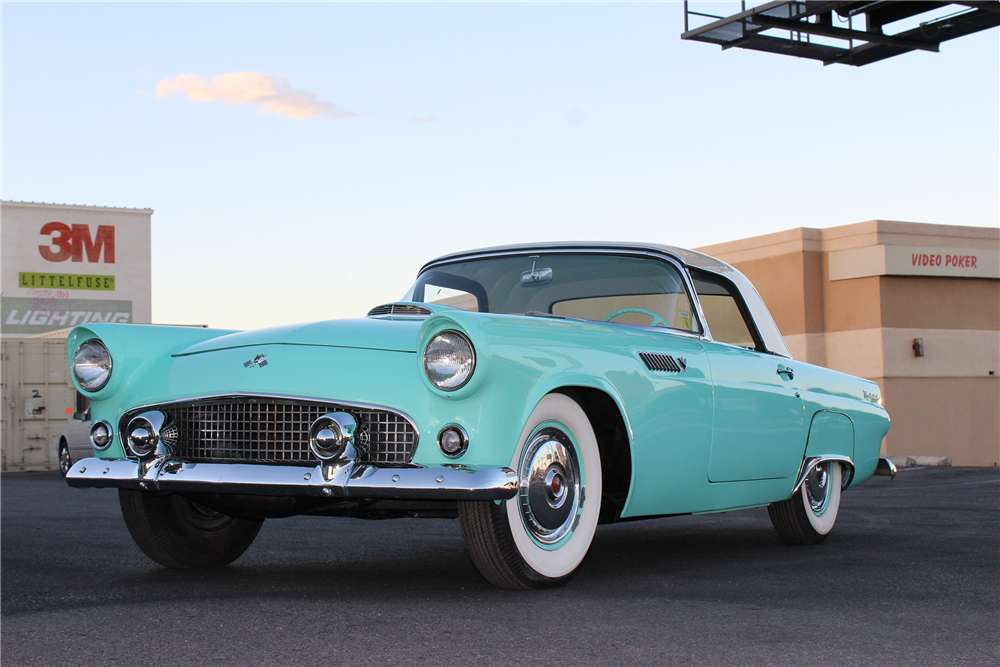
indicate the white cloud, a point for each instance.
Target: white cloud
{"x":427,"y":119}
{"x":273,"y":94}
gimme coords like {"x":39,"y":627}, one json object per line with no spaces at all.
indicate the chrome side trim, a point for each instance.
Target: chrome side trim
{"x":885,"y":468}
{"x":847,"y":471}
{"x":352,"y":481}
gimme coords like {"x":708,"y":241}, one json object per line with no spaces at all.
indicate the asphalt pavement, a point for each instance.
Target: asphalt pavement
{"x":909,"y":576}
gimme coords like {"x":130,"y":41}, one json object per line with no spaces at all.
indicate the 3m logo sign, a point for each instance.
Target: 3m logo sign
{"x":67,"y":242}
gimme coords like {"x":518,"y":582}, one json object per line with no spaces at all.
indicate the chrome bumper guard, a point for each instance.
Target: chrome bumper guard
{"x":323,"y":481}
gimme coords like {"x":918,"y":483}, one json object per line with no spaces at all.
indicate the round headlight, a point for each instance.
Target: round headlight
{"x":449,"y":360}
{"x":92,"y":365}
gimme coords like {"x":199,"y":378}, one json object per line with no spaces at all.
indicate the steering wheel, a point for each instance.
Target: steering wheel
{"x":657,"y":320}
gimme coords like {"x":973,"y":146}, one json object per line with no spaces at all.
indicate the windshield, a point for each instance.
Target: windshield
{"x":629,"y":290}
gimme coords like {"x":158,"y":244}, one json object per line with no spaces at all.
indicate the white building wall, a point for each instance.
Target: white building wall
{"x":67,"y":265}
{"x":62,"y":266}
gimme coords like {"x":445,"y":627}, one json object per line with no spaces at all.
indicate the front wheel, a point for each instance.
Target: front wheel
{"x":539,"y":538}
{"x":809,"y":515}
{"x":65,"y":460}
{"x":180,"y":533}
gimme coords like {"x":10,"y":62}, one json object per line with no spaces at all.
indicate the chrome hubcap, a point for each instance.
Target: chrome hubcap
{"x":818,"y":487}
{"x":64,"y":459}
{"x":549,"y":485}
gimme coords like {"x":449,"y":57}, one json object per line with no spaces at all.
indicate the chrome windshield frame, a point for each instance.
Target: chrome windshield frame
{"x":618,"y":251}
{"x":773,"y":341}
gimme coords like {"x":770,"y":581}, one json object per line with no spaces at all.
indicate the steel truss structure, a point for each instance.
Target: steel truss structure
{"x":791,"y":28}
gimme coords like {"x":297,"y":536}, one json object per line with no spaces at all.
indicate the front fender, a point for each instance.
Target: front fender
{"x":132,"y":347}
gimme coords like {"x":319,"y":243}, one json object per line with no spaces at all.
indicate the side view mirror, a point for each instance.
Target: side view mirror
{"x":80,"y":416}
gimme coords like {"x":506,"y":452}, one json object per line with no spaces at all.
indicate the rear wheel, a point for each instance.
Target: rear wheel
{"x":180,"y":533}
{"x":539,"y":538}
{"x":809,"y":515}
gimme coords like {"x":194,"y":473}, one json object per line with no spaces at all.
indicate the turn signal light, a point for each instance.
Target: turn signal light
{"x":453,"y":440}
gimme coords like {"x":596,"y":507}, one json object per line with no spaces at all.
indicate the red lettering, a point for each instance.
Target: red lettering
{"x":62,"y":239}
{"x":947,"y":261}
{"x":937,"y":260}
{"x":73,"y":242}
{"x":914,"y":259}
{"x":973,"y":258}
{"x":104,"y":239}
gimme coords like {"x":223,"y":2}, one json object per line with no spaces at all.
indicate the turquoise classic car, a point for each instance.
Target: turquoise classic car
{"x":533,"y":392}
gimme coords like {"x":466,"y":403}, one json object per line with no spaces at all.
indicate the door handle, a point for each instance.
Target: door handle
{"x":782,"y":370}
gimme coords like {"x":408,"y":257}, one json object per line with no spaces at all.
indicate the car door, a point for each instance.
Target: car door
{"x":759,"y":427}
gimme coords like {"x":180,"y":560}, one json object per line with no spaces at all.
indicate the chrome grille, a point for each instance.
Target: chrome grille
{"x":266,"y":430}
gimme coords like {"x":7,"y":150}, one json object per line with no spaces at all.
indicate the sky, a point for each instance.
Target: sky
{"x":305,"y":160}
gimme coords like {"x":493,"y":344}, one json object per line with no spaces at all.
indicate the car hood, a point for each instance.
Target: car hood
{"x":399,"y":335}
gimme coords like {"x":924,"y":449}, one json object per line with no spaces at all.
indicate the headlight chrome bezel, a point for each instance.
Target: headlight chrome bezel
{"x":107,"y":436}
{"x":101,"y":381}
{"x":471,"y":363}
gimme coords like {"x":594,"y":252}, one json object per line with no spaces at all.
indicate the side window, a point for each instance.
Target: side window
{"x":645,"y":293}
{"x":449,"y":296}
{"x":450,"y":289}
{"x":724,"y":311}
{"x":658,"y":310}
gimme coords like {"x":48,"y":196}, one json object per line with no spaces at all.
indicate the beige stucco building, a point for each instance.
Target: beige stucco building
{"x":914,"y":307}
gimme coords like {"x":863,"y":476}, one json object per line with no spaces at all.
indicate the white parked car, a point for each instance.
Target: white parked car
{"x":74,"y":441}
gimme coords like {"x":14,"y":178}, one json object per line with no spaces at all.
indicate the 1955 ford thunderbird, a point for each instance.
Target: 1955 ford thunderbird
{"x":531,"y":391}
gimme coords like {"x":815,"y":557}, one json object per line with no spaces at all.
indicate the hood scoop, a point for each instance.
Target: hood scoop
{"x":399,"y":309}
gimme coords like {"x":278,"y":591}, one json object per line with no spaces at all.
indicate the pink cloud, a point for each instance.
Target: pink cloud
{"x":273,"y":94}
{"x":427,"y":119}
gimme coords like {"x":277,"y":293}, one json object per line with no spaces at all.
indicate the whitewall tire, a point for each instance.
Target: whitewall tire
{"x":539,"y":538}
{"x":809,"y":515}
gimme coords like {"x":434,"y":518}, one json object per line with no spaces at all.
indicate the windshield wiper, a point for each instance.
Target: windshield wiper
{"x":553,"y":316}
{"x":538,"y":313}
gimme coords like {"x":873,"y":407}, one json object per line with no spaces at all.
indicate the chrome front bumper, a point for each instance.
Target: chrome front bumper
{"x":322,"y":481}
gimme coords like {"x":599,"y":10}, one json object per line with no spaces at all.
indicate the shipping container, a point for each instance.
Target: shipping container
{"x":38,"y":400}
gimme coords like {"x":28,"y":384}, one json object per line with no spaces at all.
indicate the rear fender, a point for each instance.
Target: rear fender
{"x":831,"y":438}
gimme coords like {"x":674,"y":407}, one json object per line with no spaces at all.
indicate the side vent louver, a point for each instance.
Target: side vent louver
{"x":656,"y":361}
{"x":398,"y":309}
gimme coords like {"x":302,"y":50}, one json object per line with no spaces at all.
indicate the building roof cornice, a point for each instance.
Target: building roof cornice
{"x":76,"y":207}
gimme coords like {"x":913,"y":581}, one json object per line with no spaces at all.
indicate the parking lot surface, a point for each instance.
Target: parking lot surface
{"x":910,"y":576}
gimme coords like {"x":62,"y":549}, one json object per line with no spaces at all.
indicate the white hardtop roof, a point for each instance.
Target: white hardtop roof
{"x":687,"y":257}
{"x":768,"y":330}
